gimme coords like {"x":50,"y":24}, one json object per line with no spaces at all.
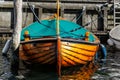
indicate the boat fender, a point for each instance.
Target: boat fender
{"x":26,"y":35}
{"x":110,"y":42}
{"x":87,"y":36}
{"x":6,"y":47}
{"x":103,"y":53}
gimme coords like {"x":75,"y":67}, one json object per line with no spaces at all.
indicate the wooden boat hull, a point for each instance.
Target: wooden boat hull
{"x":44,"y":51}
{"x":74,"y":45}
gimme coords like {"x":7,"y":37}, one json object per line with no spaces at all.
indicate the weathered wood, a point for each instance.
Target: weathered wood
{"x":6,"y":32}
{"x":68,"y":0}
{"x":17,"y":23}
{"x":100,"y":32}
{"x":62,"y":11}
{"x":40,"y":11}
{"x":84,"y":16}
{"x":105,"y":18}
{"x":67,"y":11}
{"x":52,"y":5}
{"x":71,"y":0}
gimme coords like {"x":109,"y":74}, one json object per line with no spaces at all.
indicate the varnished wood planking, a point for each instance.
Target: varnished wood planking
{"x":38,"y":52}
{"x":87,"y":47}
{"x":77,"y":50}
{"x":77,"y":55}
{"x":72,"y":61}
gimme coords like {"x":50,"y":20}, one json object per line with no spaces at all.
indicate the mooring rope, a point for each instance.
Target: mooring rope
{"x":70,"y":32}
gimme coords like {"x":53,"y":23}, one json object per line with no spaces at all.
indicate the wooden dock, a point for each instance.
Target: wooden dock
{"x":70,"y":9}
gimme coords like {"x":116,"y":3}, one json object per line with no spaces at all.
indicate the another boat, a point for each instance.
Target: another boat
{"x":114,"y":37}
{"x":57,"y":41}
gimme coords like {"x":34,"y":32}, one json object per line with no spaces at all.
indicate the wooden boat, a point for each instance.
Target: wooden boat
{"x":57,"y":41}
{"x":114,"y":37}
{"x":39,"y":43}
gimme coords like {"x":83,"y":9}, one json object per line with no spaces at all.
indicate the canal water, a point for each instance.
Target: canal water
{"x":110,"y":70}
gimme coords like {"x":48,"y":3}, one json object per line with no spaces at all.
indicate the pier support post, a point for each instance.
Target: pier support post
{"x":105,"y":18}
{"x":16,"y":35}
{"x":84,"y":16}
{"x":62,"y":11}
{"x":40,"y":11}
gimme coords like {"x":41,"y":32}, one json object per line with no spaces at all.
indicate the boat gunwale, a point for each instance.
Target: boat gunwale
{"x":110,"y":33}
{"x":80,"y":41}
{"x":115,"y":38}
{"x":62,"y":39}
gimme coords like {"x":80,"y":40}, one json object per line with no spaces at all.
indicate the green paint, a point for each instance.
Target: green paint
{"x":48,"y":28}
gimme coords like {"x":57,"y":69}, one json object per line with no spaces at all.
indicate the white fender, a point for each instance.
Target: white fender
{"x":110,"y":42}
{"x":6,"y":47}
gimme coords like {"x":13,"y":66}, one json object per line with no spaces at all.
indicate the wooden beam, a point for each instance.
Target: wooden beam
{"x":9,"y":4}
{"x":70,"y":0}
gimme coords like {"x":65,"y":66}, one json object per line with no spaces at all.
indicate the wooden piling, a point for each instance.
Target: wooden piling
{"x":84,"y":16}
{"x":105,"y":18}
{"x":16,"y":36}
{"x":40,"y":11}
{"x":17,"y":23}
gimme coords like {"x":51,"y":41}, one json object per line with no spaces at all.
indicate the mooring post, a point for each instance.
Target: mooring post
{"x":16,"y":35}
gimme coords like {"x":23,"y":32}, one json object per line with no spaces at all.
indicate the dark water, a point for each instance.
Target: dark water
{"x":111,"y":69}
{"x":107,"y":71}
{"x":36,"y":72}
